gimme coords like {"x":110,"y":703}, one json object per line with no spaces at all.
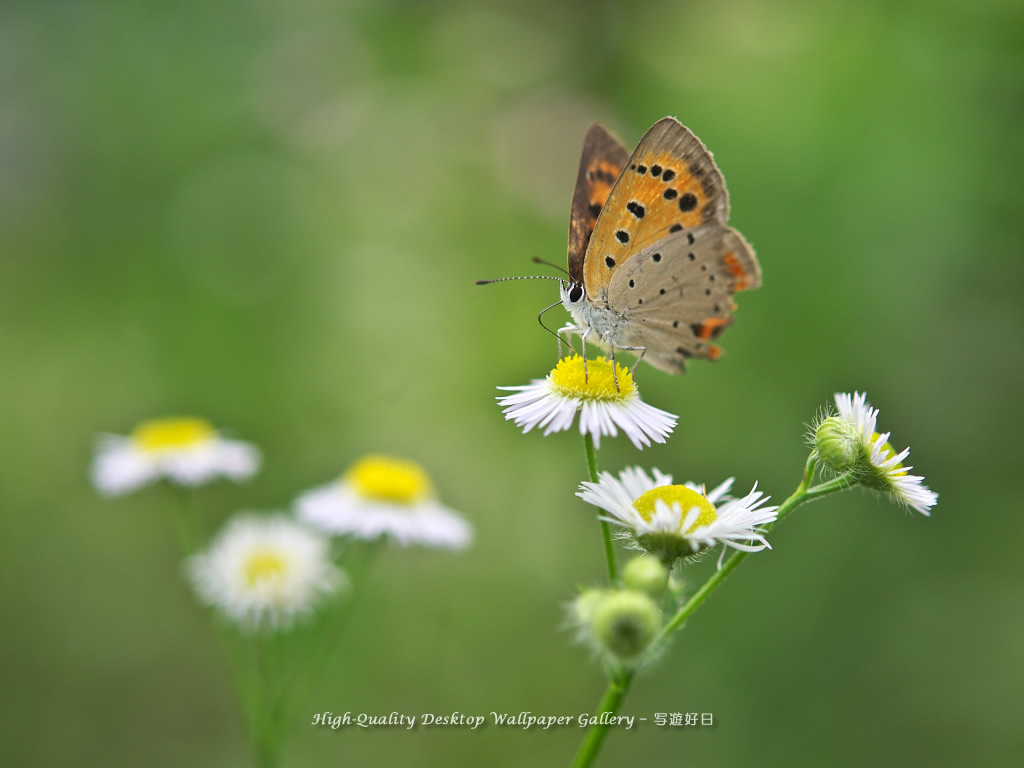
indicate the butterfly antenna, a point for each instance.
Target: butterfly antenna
{"x":519,"y":277}
{"x":539,"y":260}
{"x":540,"y":319}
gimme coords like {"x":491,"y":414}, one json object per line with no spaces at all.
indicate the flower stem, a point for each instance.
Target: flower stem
{"x":801,"y":495}
{"x":251,"y":690}
{"x":606,"y":531}
{"x":323,"y":637}
{"x":186,"y":519}
{"x":618,"y":686}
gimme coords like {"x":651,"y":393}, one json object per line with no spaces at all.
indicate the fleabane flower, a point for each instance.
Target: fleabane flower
{"x":552,"y":403}
{"x":384,"y":496}
{"x":265,"y":572}
{"x":186,"y":451}
{"x":673,"y":521}
{"x":878,"y":465}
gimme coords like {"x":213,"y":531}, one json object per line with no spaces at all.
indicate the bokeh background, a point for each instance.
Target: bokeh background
{"x":272,"y":214}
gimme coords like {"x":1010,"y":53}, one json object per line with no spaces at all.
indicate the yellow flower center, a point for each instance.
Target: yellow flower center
{"x":264,"y":566}
{"x":387,"y":479}
{"x":597,"y":384}
{"x":168,"y":434}
{"x":687,"y":499}
{"x":887,"y":453}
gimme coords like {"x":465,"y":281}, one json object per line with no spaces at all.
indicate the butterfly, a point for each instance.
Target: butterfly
{"x":652,"y":265}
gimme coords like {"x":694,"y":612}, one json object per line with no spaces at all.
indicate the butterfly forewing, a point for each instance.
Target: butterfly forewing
{"x":669,"y":185}
{"x":677,"y":293}
{"x":601,"y":163}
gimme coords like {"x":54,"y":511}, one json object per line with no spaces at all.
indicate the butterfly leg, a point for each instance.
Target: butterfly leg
{"x":583,"y":345}
{"x":566,"y":329}
{"x":639,"y":357}
{"x":611,"y":354}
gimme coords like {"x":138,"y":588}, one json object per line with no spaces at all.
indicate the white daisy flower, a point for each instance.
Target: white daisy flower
{"x":264,"y":572}
{"x":881,"y":467}
{"x":186,"y":451}
{"x":604,"y":408}
{"x":384,"y":496}
{"x":673,"y":521}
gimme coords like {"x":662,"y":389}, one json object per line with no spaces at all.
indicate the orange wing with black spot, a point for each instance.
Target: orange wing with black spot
{"x":601,"y":164}
{"x":670,"y":184}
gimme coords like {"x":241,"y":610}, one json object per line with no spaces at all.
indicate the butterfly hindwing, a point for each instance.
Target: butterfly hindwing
{"x":677,"y":293}
{"x":670,"y":184}
{"x":601,"y":163}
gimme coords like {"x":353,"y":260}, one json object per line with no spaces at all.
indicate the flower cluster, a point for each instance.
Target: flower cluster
{"x":263,"y":572}
{"x":672,"y":522}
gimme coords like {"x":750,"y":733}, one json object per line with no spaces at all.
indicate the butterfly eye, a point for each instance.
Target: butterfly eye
{"x":575,"y":294}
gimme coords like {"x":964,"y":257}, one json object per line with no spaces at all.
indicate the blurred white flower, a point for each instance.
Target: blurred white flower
{"x":604,"y":408}
{"x":384,"y":496}
{"x":186,"y":451}
{"x":264,"y":572}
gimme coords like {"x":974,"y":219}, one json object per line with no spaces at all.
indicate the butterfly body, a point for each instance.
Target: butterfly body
{"x":603,"y":321}
{"x":652,"y":264}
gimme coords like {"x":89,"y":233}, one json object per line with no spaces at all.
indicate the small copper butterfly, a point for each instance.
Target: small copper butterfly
{"x":652,"y":265}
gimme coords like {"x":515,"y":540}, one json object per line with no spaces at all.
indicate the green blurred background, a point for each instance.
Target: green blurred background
{"x":272,"y":215}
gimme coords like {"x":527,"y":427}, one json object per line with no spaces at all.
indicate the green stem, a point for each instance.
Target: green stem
{"x":606,"y":530}
{"x":186,"y":520}
{"x":191,"y":536}
{"x":616,"y":691}
{"x":801,"y":495}
{"x":322,"y":639}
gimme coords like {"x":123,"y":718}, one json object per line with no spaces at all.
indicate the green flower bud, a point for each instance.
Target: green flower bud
{"x":625,"y":622}
{"x":838,"y":444}
{"x":646,"y":574}
{"x":582,"y":610}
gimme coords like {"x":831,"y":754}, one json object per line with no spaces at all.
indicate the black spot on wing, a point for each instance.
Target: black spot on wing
{"x":636,"y":209}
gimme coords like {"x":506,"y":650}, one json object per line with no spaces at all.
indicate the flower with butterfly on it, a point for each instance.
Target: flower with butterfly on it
{"x":265,"y":572}
{"x":606,"y":402}
{"x":384,"y":496}
{"x":185,"y":451}
{"x":672,"y":521}
{"x":849,"y":442}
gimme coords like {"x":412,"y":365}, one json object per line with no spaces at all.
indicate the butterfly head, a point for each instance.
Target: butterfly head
{"x":573,"y":295}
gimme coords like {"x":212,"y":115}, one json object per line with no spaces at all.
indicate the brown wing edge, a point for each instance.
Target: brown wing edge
{"x":599,"y":145}
{"x":700,"y":159}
